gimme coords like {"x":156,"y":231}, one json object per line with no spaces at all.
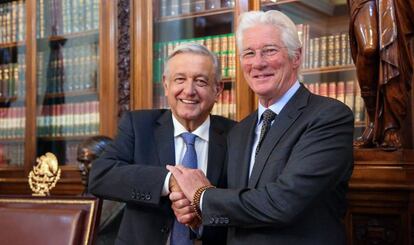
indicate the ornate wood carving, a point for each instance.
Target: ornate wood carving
{"x":124,"y":56}
{"x":373,"y":229}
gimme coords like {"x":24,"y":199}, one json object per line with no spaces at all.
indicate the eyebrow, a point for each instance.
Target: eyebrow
{"x":264,"y":46}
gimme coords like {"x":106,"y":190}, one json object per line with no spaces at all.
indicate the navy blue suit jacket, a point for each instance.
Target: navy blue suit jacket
{"x":132,"y":170}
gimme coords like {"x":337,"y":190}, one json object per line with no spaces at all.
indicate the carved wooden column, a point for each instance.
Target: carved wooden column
{"x":124,"y":56}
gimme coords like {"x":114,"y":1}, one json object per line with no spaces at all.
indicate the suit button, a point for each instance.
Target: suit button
{"x":226,"y":220}
{"x":148,"y":197}
{"x":212,"y":220}
{"x":142,"y":196}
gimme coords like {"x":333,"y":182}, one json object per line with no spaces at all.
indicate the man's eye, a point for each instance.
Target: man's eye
{"x":248,"y":54}
{"x":201,"y":82}
{"x":270,"y":51}
{"x":179,"y":79}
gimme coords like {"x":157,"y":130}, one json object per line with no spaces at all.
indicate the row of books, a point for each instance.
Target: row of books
{"x":71,"y":119}
{"x":348,"y":92}
{"x":223,"y":46}
{"x":68,"y":69}
{"x":12,"y":122}
{"x":12,"y":154}
{"x":324,"y":51}
{"x":71,"y":150}
{"x":182,"y":7}
{"x":58,"y":17}
{"x":226,"y":104}
{"x":12,"y":21}
{"x":12,"y":79}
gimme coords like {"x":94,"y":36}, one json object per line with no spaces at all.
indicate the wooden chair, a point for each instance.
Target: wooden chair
{"x":48,"y":220}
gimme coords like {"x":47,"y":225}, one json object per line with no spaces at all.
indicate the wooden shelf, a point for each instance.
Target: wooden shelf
{"x":321,"y":6}
{"x":65,"y":138}
{"x":73,"y":35}
{"x":12,"y":140}
{"x":228,"y":79}
{"x":8,"y":99}
{"x":71,"y":94}
{"x":12,"y":44}
{"x":330,"y":69}
{"x":196,"y":14}
{"x":360,"y":124}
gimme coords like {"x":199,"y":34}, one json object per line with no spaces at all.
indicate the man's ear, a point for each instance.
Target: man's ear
{"x":219,"y":89}
{"x":297,"y":59}
{"x":165,"y":84}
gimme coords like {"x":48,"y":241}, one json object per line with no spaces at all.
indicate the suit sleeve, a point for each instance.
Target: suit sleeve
{"x":116,"y":175}
{"x":319,"y":161}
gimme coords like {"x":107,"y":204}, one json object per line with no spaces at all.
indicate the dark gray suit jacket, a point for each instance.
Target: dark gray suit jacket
{"x":296,"y":192}
{"x":132,"y":170}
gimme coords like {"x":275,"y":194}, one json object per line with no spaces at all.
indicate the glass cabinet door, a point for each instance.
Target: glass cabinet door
{"x":67,"y":100}
{"x":208,"y":22}
{"x":327,"y":66}
{"x":12,"y":83}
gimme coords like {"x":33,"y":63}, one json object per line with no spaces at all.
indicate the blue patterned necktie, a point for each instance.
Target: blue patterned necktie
{"x":180,"y":233}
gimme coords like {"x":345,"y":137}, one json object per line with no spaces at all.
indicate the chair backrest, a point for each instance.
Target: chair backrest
{"x":48,"y":220}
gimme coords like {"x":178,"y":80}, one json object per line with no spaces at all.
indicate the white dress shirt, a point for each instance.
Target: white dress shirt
{"x":201,"y":147}
{"x":276,"y":108}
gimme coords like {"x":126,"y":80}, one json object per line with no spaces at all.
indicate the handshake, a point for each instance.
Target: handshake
{"x":186,"y":186}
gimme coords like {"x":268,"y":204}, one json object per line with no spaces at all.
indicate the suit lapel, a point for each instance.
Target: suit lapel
{"x":164,"y":139}
{"x":216,"y":152}
{"x":240,"y":169}
{"x":282,"y":123}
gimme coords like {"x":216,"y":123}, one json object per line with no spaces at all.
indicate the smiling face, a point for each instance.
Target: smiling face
{"x":268,"y":75}
{"x":191,"y":88}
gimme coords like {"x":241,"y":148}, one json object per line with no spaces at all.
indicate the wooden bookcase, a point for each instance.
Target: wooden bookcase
{"x":63,"y":88}
{"x":381,"y":207}
{"x":159,"y":25}
{"x":133,"y":39}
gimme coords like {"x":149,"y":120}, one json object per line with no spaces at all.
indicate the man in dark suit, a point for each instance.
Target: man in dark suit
{"x":289,"y":162}
{"x":132,"y":168}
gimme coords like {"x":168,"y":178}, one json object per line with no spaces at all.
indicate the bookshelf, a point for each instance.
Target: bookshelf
{"x":54,"y":84}
{"x":322,"y":27}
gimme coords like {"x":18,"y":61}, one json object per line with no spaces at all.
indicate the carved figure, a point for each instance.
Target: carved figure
{"x":112,"y":211}
{"x":45,"y":175}
{"x":380,"y":56}
{"x":89,"y":150}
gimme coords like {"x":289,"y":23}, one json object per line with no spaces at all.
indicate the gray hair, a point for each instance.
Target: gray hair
{"x":195,"y":48}
{"x":276,"y":19}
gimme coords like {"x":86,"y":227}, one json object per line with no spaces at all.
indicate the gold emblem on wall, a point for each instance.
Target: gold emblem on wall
{"x":45,"y":175}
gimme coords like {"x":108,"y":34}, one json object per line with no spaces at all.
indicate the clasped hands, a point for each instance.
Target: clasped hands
{"x":184,"y":182}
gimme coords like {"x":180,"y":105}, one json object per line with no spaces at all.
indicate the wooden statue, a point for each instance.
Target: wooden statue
{"x":111,"y":211}
{"x":384,"y":72}
{"x":89,"y":150}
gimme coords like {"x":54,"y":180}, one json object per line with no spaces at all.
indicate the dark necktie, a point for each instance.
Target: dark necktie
{"x":268,"y":116}
{"x":180,"y":233}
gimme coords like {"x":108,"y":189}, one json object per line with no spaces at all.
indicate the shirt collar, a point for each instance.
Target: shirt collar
{"x":279,"y":104}
{"x":201,"y":131}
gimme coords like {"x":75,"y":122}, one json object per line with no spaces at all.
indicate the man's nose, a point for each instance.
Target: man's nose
{"x":189,"y":86}
{"x":258,"y":60}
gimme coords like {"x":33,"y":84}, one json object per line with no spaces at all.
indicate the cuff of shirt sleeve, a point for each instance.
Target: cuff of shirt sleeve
{"x":201,"y":201}
{"x":166,"y":188}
